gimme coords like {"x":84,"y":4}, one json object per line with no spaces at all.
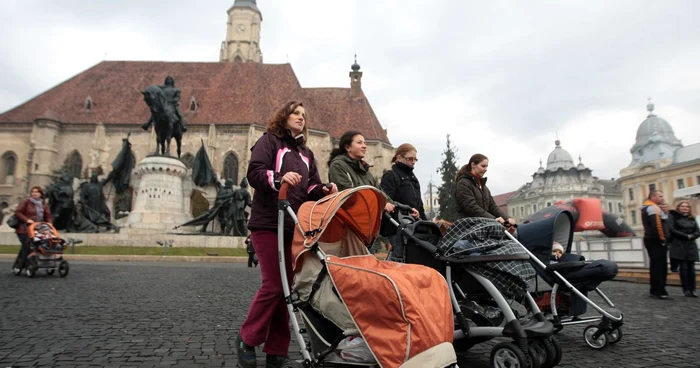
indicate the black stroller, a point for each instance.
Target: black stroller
{"x":482,"y":276}
{"x":563,"y":284}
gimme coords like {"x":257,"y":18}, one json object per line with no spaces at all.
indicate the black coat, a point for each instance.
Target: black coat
{"x":401,"y":185}
{"x":680,"y":227}
{"x":473,"y":201}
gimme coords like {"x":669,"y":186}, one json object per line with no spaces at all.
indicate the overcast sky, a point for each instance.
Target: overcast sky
{"x":502,"y":77}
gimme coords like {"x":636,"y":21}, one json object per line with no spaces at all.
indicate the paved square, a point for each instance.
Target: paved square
{"x":187,"y":315}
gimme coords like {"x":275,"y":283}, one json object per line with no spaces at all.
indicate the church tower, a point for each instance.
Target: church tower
{"x":242,"y":42}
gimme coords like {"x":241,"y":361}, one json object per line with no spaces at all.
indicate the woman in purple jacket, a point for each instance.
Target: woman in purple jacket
{"x":279,"y":156}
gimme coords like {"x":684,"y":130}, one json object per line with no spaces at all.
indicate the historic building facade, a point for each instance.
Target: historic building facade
{"x":659,"y":161}
{"x":562,"y":180}
{"x":78,"y":125}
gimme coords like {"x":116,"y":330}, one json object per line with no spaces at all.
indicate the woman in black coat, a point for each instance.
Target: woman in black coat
{"x":473,"y":197}
{"x":683,"y":230}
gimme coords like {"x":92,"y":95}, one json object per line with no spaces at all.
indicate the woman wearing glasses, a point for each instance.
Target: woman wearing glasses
{"x":401,"y":185}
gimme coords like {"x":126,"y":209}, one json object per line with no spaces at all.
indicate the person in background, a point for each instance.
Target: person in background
{"x":665,"y":208}
{"x":32,"y":209}
{"x":401,"y":185}
{"x":683,"y":231}
{"x":654,"y":221}
{"x":252,"y":259}
{"x":279,"y":156}
{"x":473,"y":196}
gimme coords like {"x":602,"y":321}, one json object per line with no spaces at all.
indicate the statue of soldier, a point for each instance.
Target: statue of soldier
{"x":241,"y":200}
{"x":93,"y":203}
{"x":172,"y":96}
{"x":224,"y":201}
{"x":60,"y":196}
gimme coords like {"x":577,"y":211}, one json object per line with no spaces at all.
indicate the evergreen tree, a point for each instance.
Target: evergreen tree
{"x":448,"y":171}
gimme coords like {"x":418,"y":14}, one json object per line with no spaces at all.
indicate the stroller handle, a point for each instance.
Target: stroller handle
{"x":282,"y":196}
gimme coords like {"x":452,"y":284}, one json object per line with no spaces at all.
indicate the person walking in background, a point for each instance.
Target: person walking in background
{"x":401,"y":185}
{"x":473,"y":196}
{"x":683,"y":231}
{"x":252,"y":259}
{"x":279,"y":156}
{"x":32,"y":209}
{"x":654,"y":221}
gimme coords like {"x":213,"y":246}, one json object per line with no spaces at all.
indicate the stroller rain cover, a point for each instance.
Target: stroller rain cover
{"x":477,"y":236}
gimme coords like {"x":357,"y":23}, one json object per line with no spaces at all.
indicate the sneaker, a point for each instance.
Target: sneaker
{"x":275,"y":361}
{"x":16,"y":270}
{"x":245,"y":353}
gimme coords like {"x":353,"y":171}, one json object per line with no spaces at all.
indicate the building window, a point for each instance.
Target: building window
{"x":534,"y":207}
{"x":9,"y":166}
{"x":549,"y":204}
{"x":610,"y":207}
{"x":88,"y":103}
{"x":522,"y":211}
{"x":697,"y":180}
{"x":619,"y":207}
{"x":193,"y":104}
{"x":512,"y":212}
{"x":681,"y":183}
{"x":631,"y":193}
{"x":73,"y":165}
{"x":231,"y":167}
{"x":188,"y":160}
{"x":652,"y":187}
{"x":633,"y":214}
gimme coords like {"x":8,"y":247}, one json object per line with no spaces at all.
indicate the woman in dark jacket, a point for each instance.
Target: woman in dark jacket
{"x":401,"y":185}
{"x":683,"y":230}
{"x":32,"y":209}
{"x":473,"y":197}
{"x":279,"y":156}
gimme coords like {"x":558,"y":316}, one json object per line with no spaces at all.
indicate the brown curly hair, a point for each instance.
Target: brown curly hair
{"x":277,"y":125}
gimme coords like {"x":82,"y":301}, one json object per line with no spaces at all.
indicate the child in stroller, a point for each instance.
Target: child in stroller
{"x":46,"y":250}
{"x":564,"y":279}
{"x":484,"y":270}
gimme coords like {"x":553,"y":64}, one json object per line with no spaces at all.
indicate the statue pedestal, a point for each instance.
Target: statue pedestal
{"x":160,"y":202}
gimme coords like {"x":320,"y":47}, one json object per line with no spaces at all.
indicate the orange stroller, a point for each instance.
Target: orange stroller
{"x":355,"y":308}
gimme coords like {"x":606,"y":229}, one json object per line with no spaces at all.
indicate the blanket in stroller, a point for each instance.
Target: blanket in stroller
{"x":476,"y":236}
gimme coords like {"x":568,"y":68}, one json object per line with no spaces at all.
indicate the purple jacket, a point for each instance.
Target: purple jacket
{"x":270,"y":159}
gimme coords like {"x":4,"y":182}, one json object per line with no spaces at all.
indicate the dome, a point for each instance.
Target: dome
{"x":559,"y":158}
{"x":580,"y":165}
{"x":655,"y":139}
{"x":355,"y":66}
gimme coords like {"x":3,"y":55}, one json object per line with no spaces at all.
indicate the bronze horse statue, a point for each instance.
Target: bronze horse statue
{"x":165,"y":119}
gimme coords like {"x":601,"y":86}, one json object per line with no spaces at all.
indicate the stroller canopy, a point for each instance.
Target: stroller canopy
{"x":538,"y":236}
{"x":327,"y":220}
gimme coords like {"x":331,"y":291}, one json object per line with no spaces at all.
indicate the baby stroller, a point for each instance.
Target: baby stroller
{"x":46,"y":250}
{"x":570,"y":279}
{"x":483,"y":268}
{"x":355,"y":308}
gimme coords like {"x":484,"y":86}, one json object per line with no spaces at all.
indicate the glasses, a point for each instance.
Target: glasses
{"x":410,"y":159}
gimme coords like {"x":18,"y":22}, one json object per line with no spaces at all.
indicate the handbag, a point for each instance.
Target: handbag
{"x":13,"y":222}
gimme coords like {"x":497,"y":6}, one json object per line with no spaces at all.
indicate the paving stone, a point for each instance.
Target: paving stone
{"x":112,"y":314}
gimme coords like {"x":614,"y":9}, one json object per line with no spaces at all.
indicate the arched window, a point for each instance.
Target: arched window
{"x":88,"y":103}
{"x":73,"y":165}
{"x":8,"y":167}
{"x":193,"y":104}
{"x":230,"y":170}
{"x":188,"y":160}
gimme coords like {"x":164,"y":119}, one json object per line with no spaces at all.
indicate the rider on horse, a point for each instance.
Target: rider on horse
{"x":172,"y":96}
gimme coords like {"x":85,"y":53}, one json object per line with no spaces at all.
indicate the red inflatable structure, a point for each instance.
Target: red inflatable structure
{"x":588,"y":215}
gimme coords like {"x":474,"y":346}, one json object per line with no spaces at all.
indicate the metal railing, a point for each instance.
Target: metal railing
{"x":626,"y":252}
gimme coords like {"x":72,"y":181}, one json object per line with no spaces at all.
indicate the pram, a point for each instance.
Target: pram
{"x":46,"y":251}
{"x":570,"y":280}
{"x":343,"y":293}
{"x":480,"y":275}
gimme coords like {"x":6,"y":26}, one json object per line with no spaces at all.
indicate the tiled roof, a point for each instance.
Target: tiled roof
{"x":502,"y":199}
{"x":226,"y":93}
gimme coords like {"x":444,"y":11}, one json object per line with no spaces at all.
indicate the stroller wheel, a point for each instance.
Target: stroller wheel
{"x":599,"y":343}
{"x":615,"y":335}
{"x":63,"y":269}
{"x":31,"y":267}
{"x":545,"y":349}
{"x":558,"y":353}
{"x":508,"y":355}
{"x":293,"y":364}
{"x":50,"y":271}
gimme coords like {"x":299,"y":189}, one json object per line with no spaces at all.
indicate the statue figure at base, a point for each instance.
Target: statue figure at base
{"x":61,"y":204}
{"x":220,"y":211}
{"x":94,"y":208}
{"x":239,"y":217}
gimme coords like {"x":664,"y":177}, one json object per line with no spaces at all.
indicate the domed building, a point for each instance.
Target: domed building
{"x":661,"y":162}
{"x":563,"y":180}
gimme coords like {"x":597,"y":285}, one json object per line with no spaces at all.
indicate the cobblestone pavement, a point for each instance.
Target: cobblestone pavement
{"x":188,"y":314}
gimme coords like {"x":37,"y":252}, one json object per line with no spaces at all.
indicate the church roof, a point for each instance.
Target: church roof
{"x":226,"y":93}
